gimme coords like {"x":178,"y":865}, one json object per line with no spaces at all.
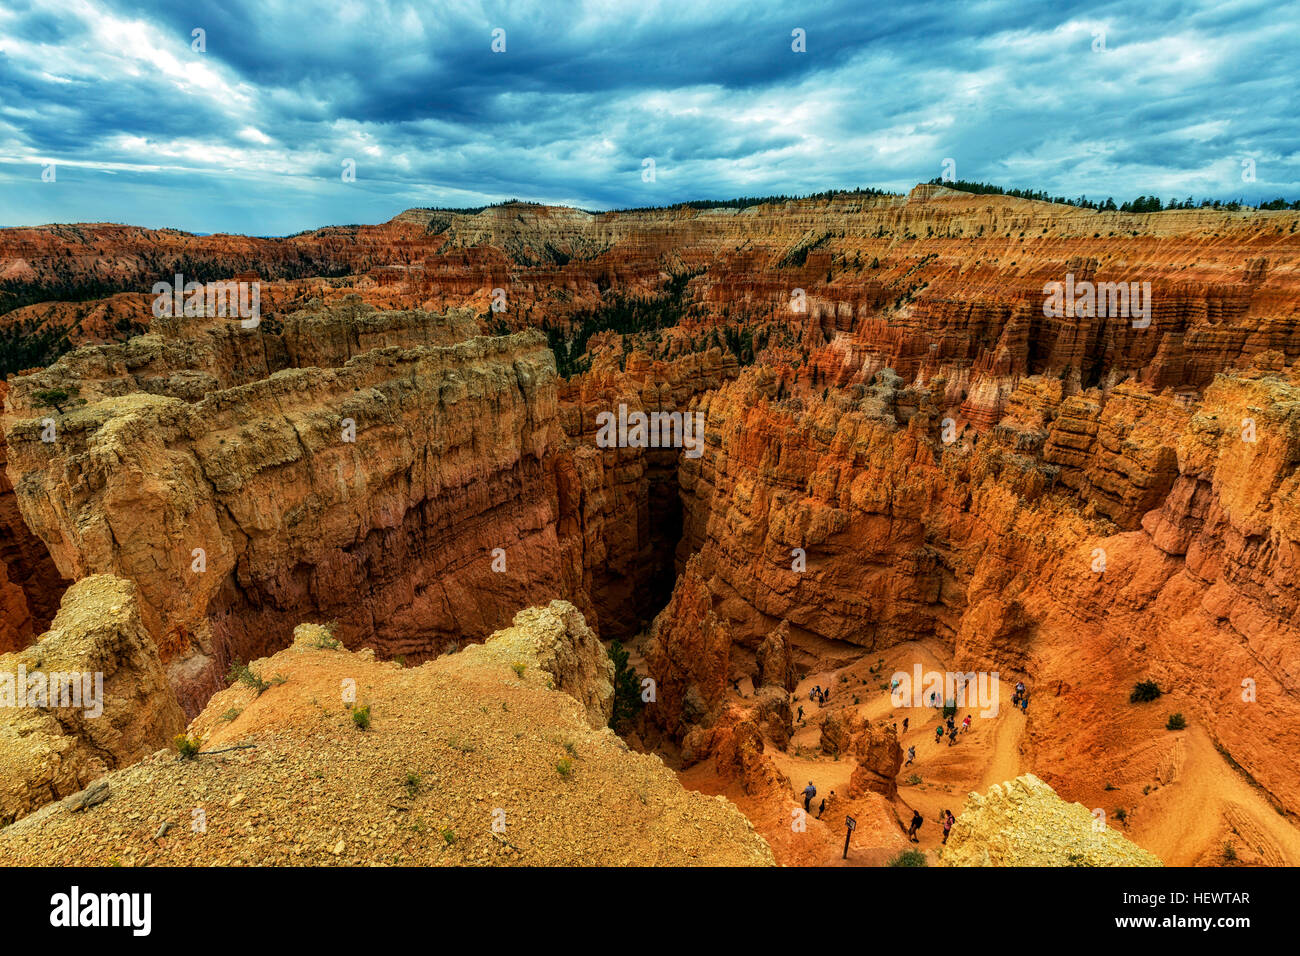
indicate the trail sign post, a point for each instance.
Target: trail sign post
{"x":850,"y":825}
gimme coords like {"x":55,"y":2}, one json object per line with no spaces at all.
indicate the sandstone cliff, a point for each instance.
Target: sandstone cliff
{"x":332,"y":490}
{"x":30,"y":585}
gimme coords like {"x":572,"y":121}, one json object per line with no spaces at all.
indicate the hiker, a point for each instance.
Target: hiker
{"x":911,"y":755}
{"x":893,"y":685}
{"x":821,"y":809}
{"x":951,"y":723}
{"x":826,"y":695}
{"x":800,"y":712}
{"x":1024,"y":704}
{"x":946,"y":818}
{"x":905,"y":720}
{"x":952,"y":736}
{"x":917,"y":820}
{"x":938,"y":733}
{"x":965,"y":724}
{"x":812,"y":694}
{"x":1020,"y":687}
{"x":808,"y":793}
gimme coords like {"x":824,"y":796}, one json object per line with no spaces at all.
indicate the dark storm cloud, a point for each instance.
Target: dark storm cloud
{"x":252,"y":133}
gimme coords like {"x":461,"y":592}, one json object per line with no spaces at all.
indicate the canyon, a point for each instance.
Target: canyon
{"x":905,"y":461}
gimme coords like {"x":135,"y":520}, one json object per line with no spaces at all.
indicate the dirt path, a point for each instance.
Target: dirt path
{"x":1004,"y":750}
{"x":1204,"y":803}
{"x":941,"y":776}
{"x":1195,"y":804}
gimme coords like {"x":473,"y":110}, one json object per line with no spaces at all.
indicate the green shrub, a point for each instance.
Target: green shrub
{"x":909,"y":858}
{"x":243,"y":674}
{"x":1176,"y":722}
{"x":1144,"y":692}
{"x":361,"y":717}
{"x":56,"y":398}
{"x":519,"y":667}
{"x":187,"y":746}
{"x":564,"y":767}
{"x":325,"y":639}
{"x":627,"y":690}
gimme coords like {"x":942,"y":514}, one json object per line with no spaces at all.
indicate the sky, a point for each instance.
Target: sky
{"x":249,"y":117}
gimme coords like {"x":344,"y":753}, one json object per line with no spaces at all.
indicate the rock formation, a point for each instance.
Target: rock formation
{"x":464,"y":762}
{"x":87,"y":697}
{"x":30,"y":585}
{"x":1024,"y":823}
{"x":556,"y":641}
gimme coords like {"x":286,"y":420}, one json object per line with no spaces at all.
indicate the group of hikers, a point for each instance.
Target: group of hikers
{"x":946,"y":820}
{"x":810,"y":794}
{"x":819,"y":695}
{"x":948,"y":728}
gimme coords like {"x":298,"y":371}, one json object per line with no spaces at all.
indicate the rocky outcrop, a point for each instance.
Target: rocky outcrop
{"x":812,"y":512}
{"x":556,"y":641}
{"x":874,"y":747}
{"x":30,"y":585}
{"x":88,"y":697}
{"x":737,"y":746}
{"x":775,"y":660}
{"x":462,"y":762}
{"x":1024,"y":823}
{"x":688,"y":655}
